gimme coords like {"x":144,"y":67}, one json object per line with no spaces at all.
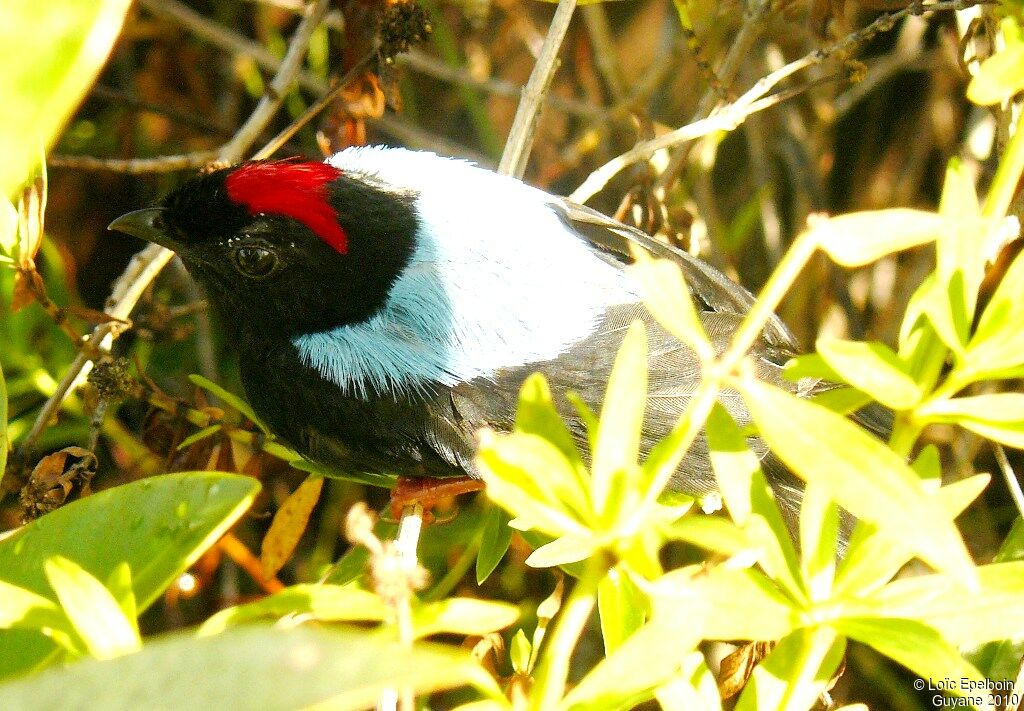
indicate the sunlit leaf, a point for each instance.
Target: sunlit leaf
{"x":249,"y":668}
{"x":622,"y":415}
{"x":524,"y":474}
{"x":694,"y":687}
{"x":667,"y":297}
{"x":631,"y":673}
{"x":864,"y":476}
{"x":997,"y":416}
{"x":158,"y":527}
{"x":999,"y":77}
{"x":622,"y":608}
{"x":231,"y":399}
{"x":43,"y":81}
{"x":735,"y":603}
{"x":564,"y":549}
{"x":819,"y":535}
{"x":494,"y":542}
{"x":462,"y":616}
{"x":872,"y":368}
{"x":915,"y":645}
{"x":859,"y":238}
{"x":795,"y":673}
{"x":998,"y":342}
{"x":93,"y":611}
{"x":3,"y":425}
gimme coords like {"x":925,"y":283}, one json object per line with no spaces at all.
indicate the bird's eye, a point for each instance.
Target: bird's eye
{"x":255,"y":262}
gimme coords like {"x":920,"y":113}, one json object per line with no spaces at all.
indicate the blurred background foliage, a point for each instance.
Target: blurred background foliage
{"x":870,"y":128}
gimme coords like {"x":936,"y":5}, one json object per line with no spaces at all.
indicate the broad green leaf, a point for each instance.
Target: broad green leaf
{"x":872,"y":368}
{"x":819,"y":536}
{"x":645,"y":661}
{"x":231,"y":399}
{"x":327,"y":603}
{"x":995,"y":612}
{"x":527,"y":475}
{"x":251,"y":668}
{"x":997,"y":416}
{"x":50,"y":54}
{"x":494,"y":542}
{"x":864,"y":476}
{"x":158,"y":526}
{"x":622,"y":608}
{"x":564,"y":549}
{"x":622,"y":417}
{"x":3,"y":422}
{"x":915,"y":645}
{"x":668,"y":299}
{"x":93,"y":611}
{"x":874,"y":557}
{"x":735,"y":603}
{"x":999,"y":77}
{"x":796,"y":673}
{"x":119,"y":583}
{"x":998,"y":342}
{"x":462,"y":616}
{"x":928,"y":465}
{"x":859,"y":238}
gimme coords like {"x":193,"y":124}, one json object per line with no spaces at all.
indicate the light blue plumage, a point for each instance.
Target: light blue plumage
{"x":456,"y":292}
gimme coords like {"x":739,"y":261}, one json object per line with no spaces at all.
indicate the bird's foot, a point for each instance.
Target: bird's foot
{"x":428,"y":493}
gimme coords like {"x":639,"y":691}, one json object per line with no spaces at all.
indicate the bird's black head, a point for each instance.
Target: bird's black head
{"x":285,"y":247}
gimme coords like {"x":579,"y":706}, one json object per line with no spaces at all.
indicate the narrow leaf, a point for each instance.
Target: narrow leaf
{"x":872,"y":368}
{"x":859,"y":238}
{"x":494,"y":542}
{"x":622,"y":608}
{"x":231,"y":399}
{"x":289,"y":524}
{"x":668,"y":299}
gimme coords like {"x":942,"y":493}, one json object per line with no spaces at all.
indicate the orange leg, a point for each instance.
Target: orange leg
{"x":428,"y":492}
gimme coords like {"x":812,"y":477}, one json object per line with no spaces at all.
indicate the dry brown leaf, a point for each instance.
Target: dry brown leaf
{"x":738,"y":666}
{"x":289,"y":524}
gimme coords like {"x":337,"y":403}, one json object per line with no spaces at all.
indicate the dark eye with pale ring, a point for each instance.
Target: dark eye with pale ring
{"x":255,"y":262}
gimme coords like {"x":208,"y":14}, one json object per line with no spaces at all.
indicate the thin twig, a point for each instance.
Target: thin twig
{"x":732,"y":115}
{"x":1012,"y":483}
{"x":145,"y":265}
{"x":524,"y":126}
{"x":134,"y":166}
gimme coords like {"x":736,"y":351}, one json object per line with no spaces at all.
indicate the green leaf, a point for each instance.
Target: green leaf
{"x":531,"y":478}
{"x":873,"y":557}
{"x":520,"y":652}
{"x":564,"y":549}
{"x":24,"y":609}
{"x":622,"y":608}
{"x":462,"y":616}
{"x":734,"y":603}
{"x":537,"y":415}
{"x":622,"y":416}
{"x":864,"y":476}
{"x":158,"y":526}
{"x":3,"y":425}
{"x":859,"y":238}
{"x":494,"y":542}
{"x":999,"y":77}
{"x":695,"y":687}
{"x":872,"y":368}
{"x":998,"y":342}
{"x":819,"y":536}
{"x":44,"y":80}
{"x":93,"y":611}
{"x":199,"y":436}
{"x":645,"y":661}
{"x":994,"y":612}
{"x":668,"y":299}
{"x":231,"y":399}
{"x":915,"y":645}
{"x":712,"y":533}
{"x":733,"y":463}
{"x":327,"y":603}
{"x":251,"y":668}
{"x":997,"y":416}
{"x":8,"y":228}
{"x":796,"y":673}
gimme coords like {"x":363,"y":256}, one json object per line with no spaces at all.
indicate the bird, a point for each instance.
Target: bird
{"x":386,"y":304}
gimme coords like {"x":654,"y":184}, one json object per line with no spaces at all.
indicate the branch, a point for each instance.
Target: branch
{"x":524,"y":126}
{"x":732,"y":115}
{"x":145,"y":265}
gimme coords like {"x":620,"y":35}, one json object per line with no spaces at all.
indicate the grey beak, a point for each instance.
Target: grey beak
{"x":147,"y":224}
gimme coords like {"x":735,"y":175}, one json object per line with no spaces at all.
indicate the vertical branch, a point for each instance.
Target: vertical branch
{"x":524,"y":126}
